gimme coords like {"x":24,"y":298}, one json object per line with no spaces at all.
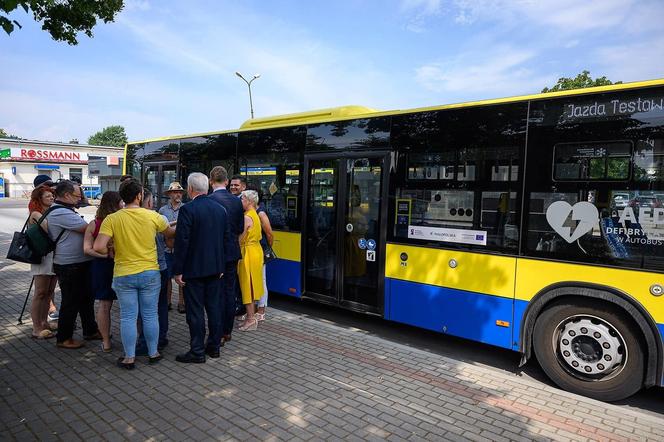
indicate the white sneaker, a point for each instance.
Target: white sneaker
{"x":53,"y":316}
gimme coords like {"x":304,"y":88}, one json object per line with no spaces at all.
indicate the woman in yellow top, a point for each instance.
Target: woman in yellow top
{"x":250,"y":267}
{"x":136,"y":278}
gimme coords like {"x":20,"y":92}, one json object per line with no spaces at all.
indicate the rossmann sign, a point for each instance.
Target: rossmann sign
{"x":45,"y":155}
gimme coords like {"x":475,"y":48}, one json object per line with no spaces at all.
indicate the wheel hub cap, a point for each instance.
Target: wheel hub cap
{"x":590,"y":347}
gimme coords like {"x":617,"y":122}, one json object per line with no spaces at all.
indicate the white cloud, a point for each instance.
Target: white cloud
{"x":424,"y":7}
{"x":137,"y":5}
{"x":504,"y":71}
{"x":643,"y":60}
{"x":566,"y":16}
{"x":418,"y":12}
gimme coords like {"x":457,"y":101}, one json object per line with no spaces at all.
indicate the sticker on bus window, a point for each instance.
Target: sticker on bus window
{"x":460,"y":236}
{"x":403,"y":212}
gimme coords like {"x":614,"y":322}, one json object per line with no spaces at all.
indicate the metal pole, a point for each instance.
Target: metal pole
{"x":251,"y":103}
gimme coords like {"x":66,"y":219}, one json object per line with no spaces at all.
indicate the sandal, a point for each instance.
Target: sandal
{"x":126,"y":365}
{"x":249,"y":325}
{"x":106,"y":349}
{"x":44,"y":334}
{"x":260,"y":316}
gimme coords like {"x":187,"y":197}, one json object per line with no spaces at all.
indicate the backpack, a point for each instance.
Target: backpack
{"x":38,"y":239}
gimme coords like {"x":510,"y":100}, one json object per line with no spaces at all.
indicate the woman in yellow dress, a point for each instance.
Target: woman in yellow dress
{"x":250,"y":267}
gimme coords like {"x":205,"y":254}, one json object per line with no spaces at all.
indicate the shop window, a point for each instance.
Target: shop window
{"x":76,"y":173}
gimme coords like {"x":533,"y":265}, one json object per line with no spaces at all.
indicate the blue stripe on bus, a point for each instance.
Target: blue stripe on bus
{"x":283,"y":276}
{"x":456,"y":312}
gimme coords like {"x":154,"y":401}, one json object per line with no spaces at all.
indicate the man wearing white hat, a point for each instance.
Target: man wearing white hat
{"x":170,"y":210}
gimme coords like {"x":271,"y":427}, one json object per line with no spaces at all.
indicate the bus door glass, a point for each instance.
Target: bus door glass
{"x":157,"y":177}
{"x":362,"y":230}
{"x":344,"y":242}
{"x":321,"y":232}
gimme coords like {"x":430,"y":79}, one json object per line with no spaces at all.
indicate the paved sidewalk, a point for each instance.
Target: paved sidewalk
{"x":296,"y":378}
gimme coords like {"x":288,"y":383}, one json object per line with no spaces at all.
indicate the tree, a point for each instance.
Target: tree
{"x":109,"y":136}
{"x":4,"y":134}
{"x":63,"y":19}
{"x":581,"y":81}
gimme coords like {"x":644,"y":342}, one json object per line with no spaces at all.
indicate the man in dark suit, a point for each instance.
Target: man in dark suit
{"x":235,"y":212}
{"x":199,"y":264}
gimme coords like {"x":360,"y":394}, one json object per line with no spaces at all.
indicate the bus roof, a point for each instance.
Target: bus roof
{"x":352,"y":112}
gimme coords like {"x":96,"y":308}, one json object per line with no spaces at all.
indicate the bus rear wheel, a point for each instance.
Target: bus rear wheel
{"x":590,"y":349}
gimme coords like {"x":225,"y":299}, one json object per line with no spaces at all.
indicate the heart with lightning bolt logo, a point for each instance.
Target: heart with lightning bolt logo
{"x":572,"y":222}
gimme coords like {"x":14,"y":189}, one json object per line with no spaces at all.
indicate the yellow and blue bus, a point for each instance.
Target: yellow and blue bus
{"x":532,"y":223}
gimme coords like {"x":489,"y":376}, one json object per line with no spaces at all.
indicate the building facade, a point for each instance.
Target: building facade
{"x":22,"y":160}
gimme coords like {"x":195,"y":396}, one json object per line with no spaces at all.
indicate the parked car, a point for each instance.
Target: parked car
{"x":645,"y":201}
{"x":620,"y":200}
{"x":92,"y":192}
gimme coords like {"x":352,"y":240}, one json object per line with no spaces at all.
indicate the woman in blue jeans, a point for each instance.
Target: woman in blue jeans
{"x":136,"y":278}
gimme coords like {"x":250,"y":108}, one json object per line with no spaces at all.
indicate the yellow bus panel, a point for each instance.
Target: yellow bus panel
{"x":287,"y":245}
{"x":474,"y":272}
{"x":534,"y":275}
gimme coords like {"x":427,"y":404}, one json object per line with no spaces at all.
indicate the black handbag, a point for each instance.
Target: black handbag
{"x":268,"y":254}
{"x":19,"y":250}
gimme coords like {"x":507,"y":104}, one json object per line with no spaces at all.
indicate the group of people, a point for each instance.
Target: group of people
{"x":212,"y":247}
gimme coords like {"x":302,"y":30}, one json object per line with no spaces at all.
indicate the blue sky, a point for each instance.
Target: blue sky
{"x":167,"y":67}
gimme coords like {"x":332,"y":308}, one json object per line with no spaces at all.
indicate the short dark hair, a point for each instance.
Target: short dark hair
{"x":218,"y":174}
{"x":147,"y":195}
{"x":64,"y":187}
{"x":126,"y":177}
{"x":75,"y":179}
{"x":129,"y":190}
{"x":239,"y":177}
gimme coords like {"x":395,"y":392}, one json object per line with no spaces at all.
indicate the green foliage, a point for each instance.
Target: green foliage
{"x":581,"y":81}
{"x":4,"y":134}
{"x":109,"y":136}
{"x":63,"y":19}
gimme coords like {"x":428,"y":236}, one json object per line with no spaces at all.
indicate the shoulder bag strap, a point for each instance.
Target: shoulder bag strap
{"x":62,"y":232}
{"x":25,"y":226}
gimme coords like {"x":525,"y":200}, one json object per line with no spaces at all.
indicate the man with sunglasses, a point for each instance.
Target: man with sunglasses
{"x":71,"y":266}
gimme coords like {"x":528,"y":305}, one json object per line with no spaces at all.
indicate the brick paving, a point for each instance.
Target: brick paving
{"x":296,"y":378}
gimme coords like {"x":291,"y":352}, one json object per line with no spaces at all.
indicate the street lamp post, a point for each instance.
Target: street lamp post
{"x":251,"y":104}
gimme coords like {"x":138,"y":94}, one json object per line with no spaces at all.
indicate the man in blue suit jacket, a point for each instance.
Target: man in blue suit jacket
{"x":235,"y":212}
{"x":199,"y":263}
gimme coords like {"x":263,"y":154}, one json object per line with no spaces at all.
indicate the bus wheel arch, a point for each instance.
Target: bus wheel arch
{"x":621,"y":303}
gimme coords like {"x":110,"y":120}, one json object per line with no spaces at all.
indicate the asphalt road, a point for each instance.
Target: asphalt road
{"x":13,"y":214}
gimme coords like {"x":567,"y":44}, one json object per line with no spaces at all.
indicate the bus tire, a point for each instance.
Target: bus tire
{"x":590,"y":348}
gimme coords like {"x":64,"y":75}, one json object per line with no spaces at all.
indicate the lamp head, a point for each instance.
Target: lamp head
{"x":256,"y":76}
{"x":238,"y":74}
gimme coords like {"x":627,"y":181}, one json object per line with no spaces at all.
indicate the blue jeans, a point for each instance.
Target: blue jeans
{"x":162,"y":313}
{"x":134,"y":290}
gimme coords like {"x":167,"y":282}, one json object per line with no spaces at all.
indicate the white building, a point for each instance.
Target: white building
{"x":21,"y":161}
